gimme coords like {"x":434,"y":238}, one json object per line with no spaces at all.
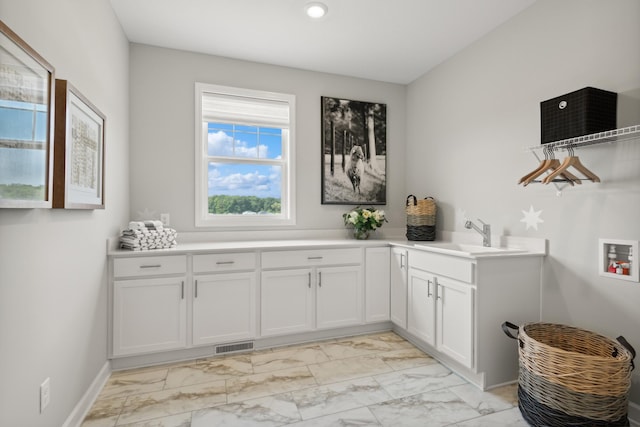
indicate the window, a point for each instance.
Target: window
{"x":244,"y":157}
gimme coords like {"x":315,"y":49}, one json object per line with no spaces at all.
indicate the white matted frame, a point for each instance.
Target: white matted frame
{"x":27,"y":87}
{"x":78,"y":181}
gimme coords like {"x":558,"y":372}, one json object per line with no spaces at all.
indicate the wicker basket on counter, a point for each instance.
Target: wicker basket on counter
{"x":421,"y":218}
{"x":572,"y":377}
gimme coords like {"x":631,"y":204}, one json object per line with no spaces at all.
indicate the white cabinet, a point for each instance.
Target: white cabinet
{"x":316,"y":296}
{"x":377,"y":286}
{"x":440,"y":309}
{"x":224,"y":308}
{"x":224,"y":301}
{"x":454,"y":319}
{"x":287,"y":302}
{"x":455,"y":306}
{"x":338,"y":297}
{"x":398,"y":286}
{"x":149,"y":305}
{"x":421,"y":306}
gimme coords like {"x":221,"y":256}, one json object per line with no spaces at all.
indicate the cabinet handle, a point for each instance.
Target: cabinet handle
{"x":320,"y":278}
{"x":440,"y":294}
{"x":309,"y":282}
{"x":429,"y":288}
{"x":401,"y":261}
{"x":314,"y":257}
{"x":196,"y":289}
{"x":182,"y":291}
{"x":225,"y":262}
{"x":151,"y":266}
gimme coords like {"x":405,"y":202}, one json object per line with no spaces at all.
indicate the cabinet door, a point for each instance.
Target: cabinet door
{"x":455,"y":313}
{"x":286,"y":302}
{"x":398,"y":283}
{"x":377,"y":284}
{"x":339,"y":296}
{"x":421,"y":305}
{"x":149,"y":315}
{"x":224,"y":308}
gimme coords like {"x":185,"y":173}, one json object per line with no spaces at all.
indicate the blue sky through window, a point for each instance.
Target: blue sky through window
{"x":228,"y":141}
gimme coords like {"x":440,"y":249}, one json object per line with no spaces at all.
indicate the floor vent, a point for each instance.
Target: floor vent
{"x":230,"y":348}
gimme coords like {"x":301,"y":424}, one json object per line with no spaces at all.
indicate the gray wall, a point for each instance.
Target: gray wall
{"x":457,"y":133}
{"x":53,"y":291}
{"x":162,"y":131}
{"x":477,"y":112}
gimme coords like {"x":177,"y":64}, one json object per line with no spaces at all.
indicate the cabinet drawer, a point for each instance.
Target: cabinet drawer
{"x":443,"y":265}
{"x":224,"y":262}
{"x":313,"y":257}
{"x":149,"y":266}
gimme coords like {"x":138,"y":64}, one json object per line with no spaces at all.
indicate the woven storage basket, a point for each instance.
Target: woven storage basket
{"x":572,"y":377}
{"x":421,"y":218}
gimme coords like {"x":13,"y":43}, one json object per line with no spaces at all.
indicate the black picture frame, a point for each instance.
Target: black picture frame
{"x":27,"y":93}
{"x":354,"y":152}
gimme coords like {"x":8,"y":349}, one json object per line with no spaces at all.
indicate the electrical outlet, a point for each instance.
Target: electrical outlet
{"x":45,"y":394}
{"x":165,"y":219}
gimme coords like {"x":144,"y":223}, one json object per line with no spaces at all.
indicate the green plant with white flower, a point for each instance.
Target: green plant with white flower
{"x":364,"y":218}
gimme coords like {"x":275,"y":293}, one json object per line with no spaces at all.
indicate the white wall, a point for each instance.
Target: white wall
{"x":469,"y":120}
{"x":53,"y":291}
{"x":162,"y":132}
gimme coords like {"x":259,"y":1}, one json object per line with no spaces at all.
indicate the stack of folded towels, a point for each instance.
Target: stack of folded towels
{"x":145,"y":235}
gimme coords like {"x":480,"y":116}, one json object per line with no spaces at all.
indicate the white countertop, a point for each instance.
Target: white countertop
{"x":538,"y":248}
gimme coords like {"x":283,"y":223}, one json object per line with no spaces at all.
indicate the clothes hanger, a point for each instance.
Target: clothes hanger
{"x":541,"y":167}
{"x":550,"y":163}
{"x":571,"y":161}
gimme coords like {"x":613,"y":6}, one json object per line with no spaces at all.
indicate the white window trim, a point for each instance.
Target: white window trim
{"x":202,"y":217}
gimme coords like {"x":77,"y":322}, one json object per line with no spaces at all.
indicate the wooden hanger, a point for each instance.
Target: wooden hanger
{"x":549,"y":163}
{"x":571,"y":161}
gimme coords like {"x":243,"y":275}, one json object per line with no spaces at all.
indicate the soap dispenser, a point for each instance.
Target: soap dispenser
{"x":612,"y":259}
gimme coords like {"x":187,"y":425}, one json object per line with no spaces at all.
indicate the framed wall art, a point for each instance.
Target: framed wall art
{"x":27,"y":85}
{"x":354,"y":151}
{"x":78,"y":177}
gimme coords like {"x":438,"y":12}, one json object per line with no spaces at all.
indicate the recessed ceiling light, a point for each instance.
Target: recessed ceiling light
{"x":316,"y":10}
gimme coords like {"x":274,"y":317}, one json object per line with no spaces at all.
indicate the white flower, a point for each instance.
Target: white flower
{"x":366,"y":214}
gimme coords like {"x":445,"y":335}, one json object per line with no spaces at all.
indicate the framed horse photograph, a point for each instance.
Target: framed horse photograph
{"x":354,"y":151}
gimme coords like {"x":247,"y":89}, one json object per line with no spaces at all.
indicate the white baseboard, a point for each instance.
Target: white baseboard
{"x":634,"y":414}
{"x":86,"y":402}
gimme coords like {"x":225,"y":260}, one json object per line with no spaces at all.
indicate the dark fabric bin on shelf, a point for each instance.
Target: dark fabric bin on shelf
{"x":578,"y":113}
{"x":571,"y":377}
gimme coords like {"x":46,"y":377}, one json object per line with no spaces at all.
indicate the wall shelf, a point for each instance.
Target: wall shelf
{"x":622,"y":134}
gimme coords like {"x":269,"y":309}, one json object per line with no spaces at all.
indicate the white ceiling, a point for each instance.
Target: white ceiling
{"x":394,"y":41}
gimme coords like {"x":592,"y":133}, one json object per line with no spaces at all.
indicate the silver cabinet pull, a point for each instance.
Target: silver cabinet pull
{"x":401,"y":260}
{"x":225,"y":262}
{"x":151,"y":266}
{"x":182,"y":291}
{"x":320,"y":278}
{"x":314,"y":257}
{"x":196,"y":289}
{"x":309,"y":282}
{"x":429,"y":288}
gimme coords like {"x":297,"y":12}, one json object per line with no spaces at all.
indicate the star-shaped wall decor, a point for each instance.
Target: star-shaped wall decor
{"x":532,"y":218}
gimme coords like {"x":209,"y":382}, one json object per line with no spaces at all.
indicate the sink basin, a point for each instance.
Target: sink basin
{"x":467,"y":249}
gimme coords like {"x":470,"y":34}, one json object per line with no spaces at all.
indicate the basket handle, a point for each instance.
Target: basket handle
{"x":508,"y":325}
{"x":628,"y":346}
{"x":415,"y":201}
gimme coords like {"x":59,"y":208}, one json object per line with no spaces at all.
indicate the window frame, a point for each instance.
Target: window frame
{"x":287,"y":194}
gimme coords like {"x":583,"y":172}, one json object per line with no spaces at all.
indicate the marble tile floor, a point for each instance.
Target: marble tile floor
{"x":370,"y":380}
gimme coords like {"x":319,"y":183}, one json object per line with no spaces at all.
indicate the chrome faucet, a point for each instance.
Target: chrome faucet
{"x":485,"y":232}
